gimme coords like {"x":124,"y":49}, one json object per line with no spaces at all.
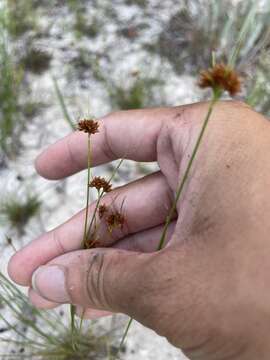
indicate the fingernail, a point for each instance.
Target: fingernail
{"x":50,"y":283}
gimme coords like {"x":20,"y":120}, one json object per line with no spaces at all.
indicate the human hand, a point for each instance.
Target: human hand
{"x":207,"y":291}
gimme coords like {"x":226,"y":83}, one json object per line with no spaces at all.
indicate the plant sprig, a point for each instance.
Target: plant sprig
{"x":219,"y":78}
{"x":102,"y":186}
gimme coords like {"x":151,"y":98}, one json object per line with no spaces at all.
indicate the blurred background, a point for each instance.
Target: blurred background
{"x":61,"y":61}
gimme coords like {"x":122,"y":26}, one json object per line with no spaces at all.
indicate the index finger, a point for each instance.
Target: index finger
{"x":129,"y":134}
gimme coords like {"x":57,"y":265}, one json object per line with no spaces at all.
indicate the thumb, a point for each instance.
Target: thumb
{"x":106,"y":279}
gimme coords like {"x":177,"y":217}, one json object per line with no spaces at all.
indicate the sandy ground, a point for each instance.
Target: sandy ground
{"x":145,"y":344}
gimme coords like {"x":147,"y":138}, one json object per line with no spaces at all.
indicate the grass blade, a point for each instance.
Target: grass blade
{"x":61,"y":100}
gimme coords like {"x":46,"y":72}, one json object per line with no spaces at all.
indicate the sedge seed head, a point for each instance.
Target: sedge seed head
{"x":90,"y":243}
{"x":102,"y":210}
{"x":115,"y":220}
{"x":221,"y":76}
{"x":88,"y":126}
{"x":101,"y":183}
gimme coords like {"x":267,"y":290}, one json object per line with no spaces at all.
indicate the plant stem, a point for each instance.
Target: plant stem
{"x":88,"y":189}
{"x":179,"y":191}
{"x":94,"y":214}
{"x":124,"y":336}
{"x":73,"y":328}
{"x":85,"y":234}
{"x":63,"y":104}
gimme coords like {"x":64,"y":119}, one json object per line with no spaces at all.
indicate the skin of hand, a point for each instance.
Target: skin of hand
{"x":208,"y":290}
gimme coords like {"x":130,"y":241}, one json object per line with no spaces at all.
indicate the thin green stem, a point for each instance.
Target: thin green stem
{"x":28,"y":322}
{"x":73,"y":327}
{"x":179,"y":191}
{"x":85,"y":235}
{"x":88,"y":190}
{"x":10,"y":292}
{"x":124,"y":336}
{"x":81,"y":321}
{"x":62,"y":104}
{"x":94,"y":213}
{"x":243,"y":33}
{"x":18,"y":332}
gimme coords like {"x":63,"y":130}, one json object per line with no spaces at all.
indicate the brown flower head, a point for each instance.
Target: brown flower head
{"x":102,"y":209}
{"x":88,"y":126}
{"x":115,"y":220}
{"x":221,"y":76}
{"x":100,"y":183}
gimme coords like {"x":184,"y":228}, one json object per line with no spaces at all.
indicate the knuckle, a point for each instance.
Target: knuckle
{"x":95,"y":284}
{"x":107,"y":147}
{"x":73,"y":158}
{"x":57,"y":242}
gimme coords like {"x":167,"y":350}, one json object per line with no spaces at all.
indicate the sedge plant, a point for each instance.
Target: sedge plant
{"x":37,"y":334}
{"x":62,"y":103}
{"x":17,"y":211}
{"x":219,"y":78}
{"x":101,"y":212}
{"x":11,"y":122}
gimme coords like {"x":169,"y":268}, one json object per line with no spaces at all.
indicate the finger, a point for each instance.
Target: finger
{"x":39,"y":302}
{"x":146,"y":241}
{"x":91,"y":278}
{"x":176,"y":282}
{"x":125,"y":134}
{"x":120,"y":281}
{"x":146,"y":205}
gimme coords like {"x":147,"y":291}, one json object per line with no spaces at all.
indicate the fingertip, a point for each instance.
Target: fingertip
{"x":37,"y":164}
{"x":43,"y":167}
{"x":14,"y":271}
{"x":57,"y":162}
{"x":39,"y":302}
